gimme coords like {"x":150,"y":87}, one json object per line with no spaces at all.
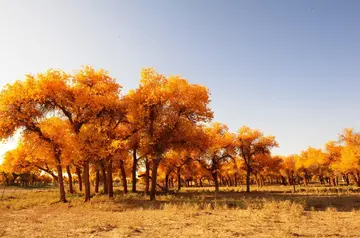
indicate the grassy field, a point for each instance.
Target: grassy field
{"x":266,"y":212}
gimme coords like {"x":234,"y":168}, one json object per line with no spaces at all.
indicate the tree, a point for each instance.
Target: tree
{"x":249,"y":143}
{"x":219,"y":150}
{"x":289,"y":169}
{"x":310,"y":163}
{"x":266,"y":166}
{"x":332,"y":156}
{"x":22,"y":108}
{"x":349,"y":162}
{"x":167,"y":109}
{"x":174,"y":161}
{"x":82,"y":97}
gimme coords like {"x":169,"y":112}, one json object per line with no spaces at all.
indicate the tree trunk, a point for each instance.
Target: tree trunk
{"x":97,"y":180}
{"x":356,"y":178}
{"x":153,"y":179}
{"x":147,"y":176}
{"x":248,"y":174}
{"x":133,"y":172}
{"x":216,"y":182}
{"x":87,"y":181}
{"x":167,"y":183}
{"x":123,"y":176}
{"x":71,"y":190}
{"x":347,"y":179}
{"x":61,"y":183}
{"x":78,"y":172}
{"x":333,"y":181}
{"x":283,"y":180}
{"x":104,"y":178}
{"x":305,"y":181}
{"x":178,"y":174}
{"x":109,"y":178}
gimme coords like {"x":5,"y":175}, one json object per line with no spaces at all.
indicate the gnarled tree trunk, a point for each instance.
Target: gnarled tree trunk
{"x":133,"y":172}
{"x":123,"y":176}
{"x":61,"y":183}
{"x":71,"y":190}
{"x":110,"y":178}
{"x":167,"y":182}
{"x":104,"y":178}
{"x":214,"y":174}
{"x":78,"y":173}
{"x":356,"y":178}
{"x":178,"y":174}
{"x":154,"y":178}
{"x":248,"y":174}
{"x":86,"y":181}
{"x":147,"y":176}
{"x":97,"y":180}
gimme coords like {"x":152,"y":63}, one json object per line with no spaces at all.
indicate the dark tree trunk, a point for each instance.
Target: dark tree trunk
{"x":123,"y":176}
{"x":147,"y":176}
{"x":248,"y":174}
{"x":61,"y":183}
{"x":133,"y":172}
{"x":71,"y":190}
{"x":153,"y":179}
{"x":216,"y":182}
{"x":78,"y":173}
{"x":305,"y":180}
{"x":167,"y":182}
{"x":294,"y":189}
{"x":104,"y":178}
{"x":97,"y":180}
{"x":283,"y":180}
{"x":334,"y":181}
{"x":109,"y":178}
{"x":356,"y":178}
{"x":347,"y":181}
{"x":87,"y":181}
{"x":178,"y":174}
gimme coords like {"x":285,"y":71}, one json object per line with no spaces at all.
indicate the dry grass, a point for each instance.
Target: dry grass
{"x":191,"y":213}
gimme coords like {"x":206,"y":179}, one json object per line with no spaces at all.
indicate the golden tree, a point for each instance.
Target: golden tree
{"x":166,"y":109}
{"x":219,"y":149}
{"x":249,"y":143}
{"x":349,"y":162}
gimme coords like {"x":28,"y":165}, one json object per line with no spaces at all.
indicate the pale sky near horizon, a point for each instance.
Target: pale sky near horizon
{"x":289,"y":68}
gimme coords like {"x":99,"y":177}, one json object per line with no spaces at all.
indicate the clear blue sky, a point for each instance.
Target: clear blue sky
{"x":289,"y":68}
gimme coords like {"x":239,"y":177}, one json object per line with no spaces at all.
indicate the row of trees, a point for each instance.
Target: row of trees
{"x":162,"y":132}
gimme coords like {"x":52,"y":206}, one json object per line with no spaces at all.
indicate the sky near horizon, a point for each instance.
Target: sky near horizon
{"x":289,"y":68}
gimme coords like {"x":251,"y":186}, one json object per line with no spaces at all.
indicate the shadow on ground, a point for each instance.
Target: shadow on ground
{"x":318,"y":202}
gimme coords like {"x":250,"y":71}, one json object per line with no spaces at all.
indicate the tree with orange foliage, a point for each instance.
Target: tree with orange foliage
{"x":332,"y":156}
{"x":219,"y":149}
{"x":166,"y":109}
{"x":266,"y":166}
{"x":22,"y":107}
{"x":174,"y":161}
{"x":289,"y":169}
{"x":80,"y":97}
{"x":309,"y":164}
{"x":349,"y":162}
{"x":249,"y":143}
